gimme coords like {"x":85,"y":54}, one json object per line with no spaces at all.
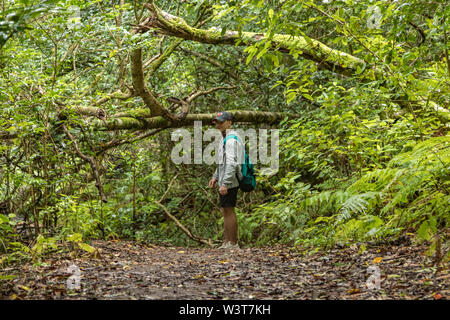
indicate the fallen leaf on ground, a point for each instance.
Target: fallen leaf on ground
{"x":377,"y":260}
{"x":25,"y":288}
{"x":353,"y":291}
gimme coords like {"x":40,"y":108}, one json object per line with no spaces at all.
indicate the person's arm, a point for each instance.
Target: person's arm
{"x":213,"y":180}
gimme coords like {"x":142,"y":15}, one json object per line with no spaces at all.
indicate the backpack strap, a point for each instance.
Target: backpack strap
{"x":228,"y":137}
{"x":232,"y":136}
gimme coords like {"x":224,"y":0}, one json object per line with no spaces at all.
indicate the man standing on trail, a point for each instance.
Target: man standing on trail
{"x":227,"y":173}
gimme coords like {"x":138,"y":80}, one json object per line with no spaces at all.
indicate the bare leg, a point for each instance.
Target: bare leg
{"x":225,"y":231}
{"x":230,"y":225}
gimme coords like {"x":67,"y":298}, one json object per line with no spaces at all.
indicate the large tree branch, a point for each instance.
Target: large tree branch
{"x":326,"y":57}
{"x":311,"y":49}
{"x":137,"y":73}
{"x":138,"y":77}
{"x":142,"y":119}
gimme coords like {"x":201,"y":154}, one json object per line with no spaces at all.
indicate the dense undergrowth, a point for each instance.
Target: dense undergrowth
{"x":410,"y":195}
{"x":346,"y":179}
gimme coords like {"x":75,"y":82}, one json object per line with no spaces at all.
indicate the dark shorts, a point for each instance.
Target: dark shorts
{"x":229,"y":200}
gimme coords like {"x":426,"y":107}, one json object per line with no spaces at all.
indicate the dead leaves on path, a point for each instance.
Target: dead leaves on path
{"x":128,"y":270}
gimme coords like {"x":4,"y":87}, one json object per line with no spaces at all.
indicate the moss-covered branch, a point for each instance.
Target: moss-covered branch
{"x":328,"y":58}
{"x":137,"y":74}
{"x":311,"y":49}
{"x":142,"y":119}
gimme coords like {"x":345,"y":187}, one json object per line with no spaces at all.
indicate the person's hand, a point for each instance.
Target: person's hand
{"x":223,"y":190}
{"x":212,"y":182}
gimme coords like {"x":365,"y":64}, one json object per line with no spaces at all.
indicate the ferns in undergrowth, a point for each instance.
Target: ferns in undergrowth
{"x":414,"y":187}
{"x":412,"y":191}
{"x":357,"y":203}
{"x":424,"y":178}
{"x":376,"y":180}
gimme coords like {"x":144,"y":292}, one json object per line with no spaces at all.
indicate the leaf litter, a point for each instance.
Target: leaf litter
{"x":130,"y":270}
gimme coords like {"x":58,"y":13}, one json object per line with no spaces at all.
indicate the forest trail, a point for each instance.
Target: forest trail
{"x":130,"y":270}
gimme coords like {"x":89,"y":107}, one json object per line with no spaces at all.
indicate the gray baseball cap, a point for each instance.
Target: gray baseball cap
{"x":223,"y":116}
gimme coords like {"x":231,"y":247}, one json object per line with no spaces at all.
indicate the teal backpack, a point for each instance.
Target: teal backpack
{"x":248,"y":182}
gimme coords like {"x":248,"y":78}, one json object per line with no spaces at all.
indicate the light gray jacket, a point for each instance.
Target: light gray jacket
{"x":229,"y":161}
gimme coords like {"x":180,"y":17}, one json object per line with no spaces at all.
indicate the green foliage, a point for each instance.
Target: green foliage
{"x":77,"y":239}
{"x":366,"y":160}
{"x":43,"y":245}
{"x":411,"y":193}
{"x":16,"y":17}
{"x":6,"y":231}
{"x":78,"y":217}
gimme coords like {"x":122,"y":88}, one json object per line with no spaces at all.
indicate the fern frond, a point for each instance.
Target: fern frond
{"x":357,"y":203}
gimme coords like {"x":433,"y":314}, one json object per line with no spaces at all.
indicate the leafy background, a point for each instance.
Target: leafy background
{"x":367,"y":160}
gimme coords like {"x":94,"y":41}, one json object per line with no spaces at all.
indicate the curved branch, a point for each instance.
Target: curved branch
{"x":92,"y":162}
{"x":137,"y":73}
{"x":311,"y":49}
{"x":183,"y":228}
{"x":177,"y":222}
{"x":213,"y":62}
{"x":420,"y":31}
{"x":153,"y":65}
{"x":118,"y":142}
{"x":185,"y":103}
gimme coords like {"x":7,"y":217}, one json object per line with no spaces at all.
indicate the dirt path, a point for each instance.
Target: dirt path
{"x":127,"y":270}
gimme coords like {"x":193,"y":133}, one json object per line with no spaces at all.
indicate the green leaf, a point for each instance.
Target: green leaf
{"x":307,"y":96}
{"x":76,"y":237}
{"x":3,"y":219}
{"x":86,"y":247}
{"x":7,"y":277}
{"x":424,"y":231}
